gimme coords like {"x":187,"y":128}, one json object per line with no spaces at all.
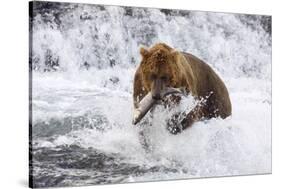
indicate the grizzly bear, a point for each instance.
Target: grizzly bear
{"x":162,"y":66}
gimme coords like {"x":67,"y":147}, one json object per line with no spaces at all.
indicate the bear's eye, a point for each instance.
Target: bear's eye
{"x":152,"y":76}
{"x":164,"y":78}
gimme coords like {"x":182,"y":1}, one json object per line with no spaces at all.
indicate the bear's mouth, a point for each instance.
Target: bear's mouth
{"x":148,"y":102}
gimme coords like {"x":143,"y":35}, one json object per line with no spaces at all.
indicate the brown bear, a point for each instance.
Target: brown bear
{"x":162,"y":66}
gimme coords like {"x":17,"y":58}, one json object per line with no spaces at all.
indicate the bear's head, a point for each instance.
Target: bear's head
{"x":158,"y":68}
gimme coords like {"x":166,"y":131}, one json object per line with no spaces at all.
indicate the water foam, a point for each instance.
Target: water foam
{"x":88,"y":94}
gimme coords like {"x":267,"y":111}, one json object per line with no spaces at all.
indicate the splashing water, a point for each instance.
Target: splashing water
{"x":83,"y":62}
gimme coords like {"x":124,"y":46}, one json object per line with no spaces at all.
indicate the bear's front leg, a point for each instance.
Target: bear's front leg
{"x":181,"y":121}
{"x":173,"y":124}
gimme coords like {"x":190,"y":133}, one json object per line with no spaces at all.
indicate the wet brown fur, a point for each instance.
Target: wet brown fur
{"x":183,"y":70}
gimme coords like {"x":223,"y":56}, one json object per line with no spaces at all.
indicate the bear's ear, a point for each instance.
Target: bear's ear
{"x":175,"y":55}
{"x":143,"y":52}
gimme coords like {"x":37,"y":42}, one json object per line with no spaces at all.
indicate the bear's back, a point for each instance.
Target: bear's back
{"x":208,"y":83}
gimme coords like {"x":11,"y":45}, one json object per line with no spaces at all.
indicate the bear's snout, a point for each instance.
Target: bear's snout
{"x":156,"y":96}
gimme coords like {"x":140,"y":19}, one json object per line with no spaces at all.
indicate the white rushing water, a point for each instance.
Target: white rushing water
{"x":84,"y":61}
